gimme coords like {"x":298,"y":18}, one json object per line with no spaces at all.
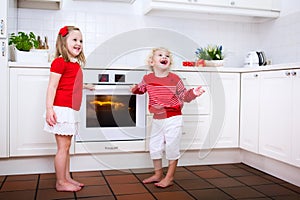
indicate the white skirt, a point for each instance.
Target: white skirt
{"x":67,"y":121}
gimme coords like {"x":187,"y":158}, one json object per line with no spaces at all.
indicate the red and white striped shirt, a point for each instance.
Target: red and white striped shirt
{"x":166,"y":94}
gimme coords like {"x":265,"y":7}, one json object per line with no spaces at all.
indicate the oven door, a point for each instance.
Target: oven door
{"x":112,"y":113}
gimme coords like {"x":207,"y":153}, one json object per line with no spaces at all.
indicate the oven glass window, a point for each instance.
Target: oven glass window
{"x":110,"y":111}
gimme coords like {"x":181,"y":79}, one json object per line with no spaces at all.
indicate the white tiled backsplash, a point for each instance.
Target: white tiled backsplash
{"x":278,"y":38}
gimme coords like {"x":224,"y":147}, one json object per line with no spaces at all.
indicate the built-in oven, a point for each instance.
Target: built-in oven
{"x":111,"y":116}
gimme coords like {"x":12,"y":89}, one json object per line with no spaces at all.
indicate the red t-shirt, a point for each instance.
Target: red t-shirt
{"x":69,"y":89}
{"x":166,"y":94}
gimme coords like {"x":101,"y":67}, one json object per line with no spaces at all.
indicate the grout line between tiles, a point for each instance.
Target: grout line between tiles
{"x":108,"y":185}
{"x":37,"y":187}
{"x":144,"y":186}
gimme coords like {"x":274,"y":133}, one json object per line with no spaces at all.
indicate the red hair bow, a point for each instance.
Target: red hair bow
{"x":63,"y":31}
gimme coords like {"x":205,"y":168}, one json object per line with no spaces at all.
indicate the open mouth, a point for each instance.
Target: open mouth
{"x":163,"y":62}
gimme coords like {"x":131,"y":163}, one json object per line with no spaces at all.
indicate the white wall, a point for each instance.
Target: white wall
{"x":280,"y":38}
{"x":100,"y":21}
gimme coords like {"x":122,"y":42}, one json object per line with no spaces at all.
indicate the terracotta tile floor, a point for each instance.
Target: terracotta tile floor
{"x":219,"y":182}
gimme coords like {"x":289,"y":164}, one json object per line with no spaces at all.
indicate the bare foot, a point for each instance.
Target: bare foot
{"x":76,"y":183}
{"x":164,"y":183}
{"x":152,"y":179}
{"x":67,"y":187}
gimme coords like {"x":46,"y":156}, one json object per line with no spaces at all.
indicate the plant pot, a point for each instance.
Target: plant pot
{"x":32,"y":56}
{"x":214,"y":63}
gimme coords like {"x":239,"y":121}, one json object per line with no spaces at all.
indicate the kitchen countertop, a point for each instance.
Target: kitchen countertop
{"x":203,"y":69}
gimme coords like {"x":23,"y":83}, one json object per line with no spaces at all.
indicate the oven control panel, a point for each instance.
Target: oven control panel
{"x":113,"y":76}
{"x":118,"y":78}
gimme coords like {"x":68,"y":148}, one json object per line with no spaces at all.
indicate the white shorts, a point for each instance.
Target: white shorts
{"x":166,"y":136}
{"x":67,"y":121}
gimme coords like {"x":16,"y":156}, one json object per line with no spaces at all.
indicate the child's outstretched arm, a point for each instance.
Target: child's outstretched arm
{"x":198,"y":91}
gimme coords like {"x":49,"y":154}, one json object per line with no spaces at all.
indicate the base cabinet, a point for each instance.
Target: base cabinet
{"x":249,"y":111}
{"x":225,"y":94}
{"x":270,"y":113}
{"x":279,"y":115}
{"x":27,"y":105}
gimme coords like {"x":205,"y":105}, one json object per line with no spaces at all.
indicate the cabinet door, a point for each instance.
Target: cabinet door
{"x":224,"y":127}
{"x":3,"y":18}
{"x":253,"y":4}
{"x":195,"y":132}
{"x":197,"y":2}
{"x":275,"y":115}
{"x":295,"y":117}
{"x":249,"y":114}
{"x":4,"y":99}
{"x":27,"y":105}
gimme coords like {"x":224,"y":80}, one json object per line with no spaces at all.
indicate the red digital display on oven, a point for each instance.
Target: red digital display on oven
{"x":103,"y":78}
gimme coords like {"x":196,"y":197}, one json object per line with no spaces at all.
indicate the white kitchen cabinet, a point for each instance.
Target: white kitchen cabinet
{"x":7,"y":22}
{"x":225,"y":95}
{"x":27,"y":105}
{"x":40,"y":4}
{"x":295,"y":117}
{"x":249,"y":111}
{"x":260,"y":9}
{"x":276,"y":115}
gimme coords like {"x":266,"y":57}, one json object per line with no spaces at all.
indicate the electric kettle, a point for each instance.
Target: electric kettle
{"x":255,"y":59}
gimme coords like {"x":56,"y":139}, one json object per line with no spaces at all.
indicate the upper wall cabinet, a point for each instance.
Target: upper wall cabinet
{"x":237,"y":10}
{"x":40,"y":4}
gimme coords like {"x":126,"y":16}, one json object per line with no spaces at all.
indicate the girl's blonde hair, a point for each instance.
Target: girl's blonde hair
{"x":151,"y":54}
{"x":61,"y":45}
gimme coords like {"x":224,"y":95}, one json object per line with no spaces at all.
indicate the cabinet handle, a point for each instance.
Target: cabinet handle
{"x":255,"y":75}
{"x":287,"y":73}
{"x":232,"y":3}
{"x":3,"y":49}
{"x":294,"y":73}
{"x":2,"y":27}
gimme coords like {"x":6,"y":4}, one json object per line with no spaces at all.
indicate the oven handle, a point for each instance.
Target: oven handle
{"x":113,"y":87}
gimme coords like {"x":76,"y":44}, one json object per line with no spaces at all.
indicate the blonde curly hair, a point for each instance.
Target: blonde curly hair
{"x":151,"y":54}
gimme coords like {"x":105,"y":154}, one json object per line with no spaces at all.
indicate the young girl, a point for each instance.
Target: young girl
{"x":63,"y":101}
{"x":166,"y":97}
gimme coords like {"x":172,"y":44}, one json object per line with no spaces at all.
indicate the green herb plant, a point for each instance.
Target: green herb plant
{"x":23,"y":41}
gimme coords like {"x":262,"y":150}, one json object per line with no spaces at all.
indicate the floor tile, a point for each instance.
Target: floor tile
{"x":47,"y":176}
{"x":235,"y":172}
{"x":98,"y":198}
{"x":177,"y":195}
{"x":94,"y":180}
{"x":199,"y":168}
{"x":130,"y":188}
{"x":144,"y":196}
{"x":192,"y":184}
{"x":47,"y":184}
{"x":116,"y":172}
{"x":17,"y":195}
{"x":210,"y":194}
{"x":94,"y":191}
{"x":45,"y":194}
{"x":22,"y":177}
{"x":225,"y":182}
{"x":152,"y":188}
{"x":213,"y":173}
{"x":184,"y":175}
{"x":207,"y":182}
{"x":253,"y":180}
{"x":274,"y":190}
{"x":118,"y":179}
{"x":243,"y":192}
{"x":18,"y":185}
{"x":86,"y":174}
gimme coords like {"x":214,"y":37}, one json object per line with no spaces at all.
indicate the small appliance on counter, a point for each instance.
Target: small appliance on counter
{"x":255,"y":59}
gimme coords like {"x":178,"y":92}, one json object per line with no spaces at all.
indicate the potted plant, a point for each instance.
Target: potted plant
{"x":211,"y":55}
{"x":24,"y":46}
{"x":23,"y":41}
